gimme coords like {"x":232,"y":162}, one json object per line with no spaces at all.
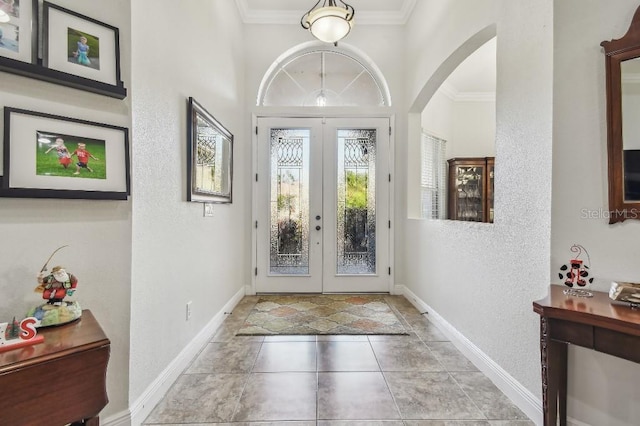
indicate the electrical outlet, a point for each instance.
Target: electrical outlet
{"x":188,"y":310}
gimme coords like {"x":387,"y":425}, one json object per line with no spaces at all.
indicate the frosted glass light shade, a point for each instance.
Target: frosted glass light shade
{"x":4,"y":17}
{"x":330,"y":24}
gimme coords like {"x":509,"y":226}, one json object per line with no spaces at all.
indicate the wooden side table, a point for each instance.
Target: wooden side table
{"x":58,"y":382}
{"x":595,"y":323}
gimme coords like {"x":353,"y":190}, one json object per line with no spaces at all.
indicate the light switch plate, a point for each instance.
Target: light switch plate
{"x":208,"y":209}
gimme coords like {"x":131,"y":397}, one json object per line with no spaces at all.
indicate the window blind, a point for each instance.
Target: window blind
{"x":433,"y":177}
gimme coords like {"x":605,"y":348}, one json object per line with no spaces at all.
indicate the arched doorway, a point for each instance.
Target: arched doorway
{"x":322,"y":187}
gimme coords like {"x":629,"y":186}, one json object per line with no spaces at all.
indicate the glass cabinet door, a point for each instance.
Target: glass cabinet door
{"x":471,"y":189}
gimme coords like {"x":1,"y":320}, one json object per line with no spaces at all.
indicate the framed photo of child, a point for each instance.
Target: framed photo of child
{"x":80,"y":45}
{"x":18,"y":24}
{"x":50,"y":156}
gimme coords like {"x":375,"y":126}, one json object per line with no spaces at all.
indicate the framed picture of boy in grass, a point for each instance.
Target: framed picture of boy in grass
{"x":70,"y":156}
{"x":50,"y":156}
{"x":80,"y":45}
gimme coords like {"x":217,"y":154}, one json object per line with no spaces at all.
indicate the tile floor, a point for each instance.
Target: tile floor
{"x":416,"y":380}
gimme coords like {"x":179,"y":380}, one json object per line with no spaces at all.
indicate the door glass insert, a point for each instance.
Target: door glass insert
{"x":469,"y":184}
{"x":289,"y":201}
{"x":356,"y":202}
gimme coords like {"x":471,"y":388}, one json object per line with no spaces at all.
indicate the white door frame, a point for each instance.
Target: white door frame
{"x":250,"y":290}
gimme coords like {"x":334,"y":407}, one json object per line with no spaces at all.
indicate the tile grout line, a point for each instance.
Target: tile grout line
{"x":246,"y":382}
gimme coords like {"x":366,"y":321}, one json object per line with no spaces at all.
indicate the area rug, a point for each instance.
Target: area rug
{"x":321,"y":314}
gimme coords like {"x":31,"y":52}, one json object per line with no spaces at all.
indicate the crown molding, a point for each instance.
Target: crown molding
{"x":292,"y":17}
{"x":457,"y":96}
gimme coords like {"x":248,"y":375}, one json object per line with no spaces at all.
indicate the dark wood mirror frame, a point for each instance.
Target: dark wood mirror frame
{"x":617,"y":51}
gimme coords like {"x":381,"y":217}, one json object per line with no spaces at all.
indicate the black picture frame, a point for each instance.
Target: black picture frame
{"x":101,"y":71}
{"x":209,"y":157}
{"x":34,"y":167}
{"x":33,"y":65}
{"x":19,"y":36}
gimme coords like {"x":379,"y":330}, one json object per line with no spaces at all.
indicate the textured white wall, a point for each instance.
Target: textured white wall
{"x":194,"y":49}
{"x":474,"y":129}
{"x":98,"y":232}
{"x":482,"y":278}
{"x":603,"y":390}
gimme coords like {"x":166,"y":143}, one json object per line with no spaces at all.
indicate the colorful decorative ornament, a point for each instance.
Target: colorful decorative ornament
{"x":575,"y":274}
{"x":14,"y":334}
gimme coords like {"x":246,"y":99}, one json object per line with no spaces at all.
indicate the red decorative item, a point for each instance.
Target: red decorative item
{"x":576,"y":273}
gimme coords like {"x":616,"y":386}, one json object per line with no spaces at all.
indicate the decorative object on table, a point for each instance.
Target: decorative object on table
{"x":14,"y":334}
{"x":576,"y":273}
{"x":55,"y":287}
{"x":625,"y":292}
{"x":99,"y":153}
{"x":209,"y":157}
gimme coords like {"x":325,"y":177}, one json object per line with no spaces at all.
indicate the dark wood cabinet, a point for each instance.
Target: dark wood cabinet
{"x":471,"y":189}
{"x":595,"y":323}
{"x":59,"y":381}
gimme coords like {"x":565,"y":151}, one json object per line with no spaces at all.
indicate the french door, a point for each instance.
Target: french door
{"x":322,"y":197}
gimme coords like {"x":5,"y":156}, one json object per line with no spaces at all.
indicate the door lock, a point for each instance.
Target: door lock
{"x":318,"y":228}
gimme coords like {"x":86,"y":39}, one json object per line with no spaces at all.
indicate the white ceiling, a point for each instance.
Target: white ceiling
{"x":475,"y":77}
{"x":381,"y":12}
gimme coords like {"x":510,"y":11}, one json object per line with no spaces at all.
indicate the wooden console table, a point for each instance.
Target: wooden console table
{"x":595,"y":323}
{"x":59,"y":381}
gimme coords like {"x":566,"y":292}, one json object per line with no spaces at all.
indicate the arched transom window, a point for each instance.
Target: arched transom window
{"x":320,"y":76}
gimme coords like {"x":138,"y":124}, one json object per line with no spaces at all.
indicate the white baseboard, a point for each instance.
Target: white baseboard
{"x":142,"y":407}
{"x":519,"y":395}
{"x":573,"y":422}
{"x":122,"y":418}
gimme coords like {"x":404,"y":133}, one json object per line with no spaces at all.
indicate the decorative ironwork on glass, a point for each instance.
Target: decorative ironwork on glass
{"x":469,"y":184}
{"x":208,"y":178}
{"x":289,"y":237}
{"x":356,"y":218}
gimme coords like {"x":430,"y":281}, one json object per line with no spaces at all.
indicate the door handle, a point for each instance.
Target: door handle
{"x":318,"y":228}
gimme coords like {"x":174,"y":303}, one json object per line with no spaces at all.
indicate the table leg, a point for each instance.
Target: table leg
{"x":554,"y":377}
{"x":93,"y":421}
{"x":561,"y":355}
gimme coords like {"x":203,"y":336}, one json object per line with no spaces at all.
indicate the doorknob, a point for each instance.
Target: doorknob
{"x":318,"y":228}
{"x":318,"y":217}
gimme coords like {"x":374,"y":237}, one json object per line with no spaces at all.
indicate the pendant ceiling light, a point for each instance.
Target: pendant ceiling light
{"x":330,"y":22}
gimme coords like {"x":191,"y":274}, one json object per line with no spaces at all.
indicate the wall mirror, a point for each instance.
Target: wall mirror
{"x":209,"y":156}
{"x":622,"y":61}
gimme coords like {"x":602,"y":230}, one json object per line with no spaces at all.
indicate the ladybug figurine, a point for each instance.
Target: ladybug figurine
{"x":576,"y":273}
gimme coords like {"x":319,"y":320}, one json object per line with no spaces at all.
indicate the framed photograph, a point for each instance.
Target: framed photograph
{"x":18,"y":29}
{"x":80,"y":46}
{"x":209,"y":157}
{"x":49,"y":156}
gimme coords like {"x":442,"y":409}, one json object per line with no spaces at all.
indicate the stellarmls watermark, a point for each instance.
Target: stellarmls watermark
{"x":632,"y":213}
